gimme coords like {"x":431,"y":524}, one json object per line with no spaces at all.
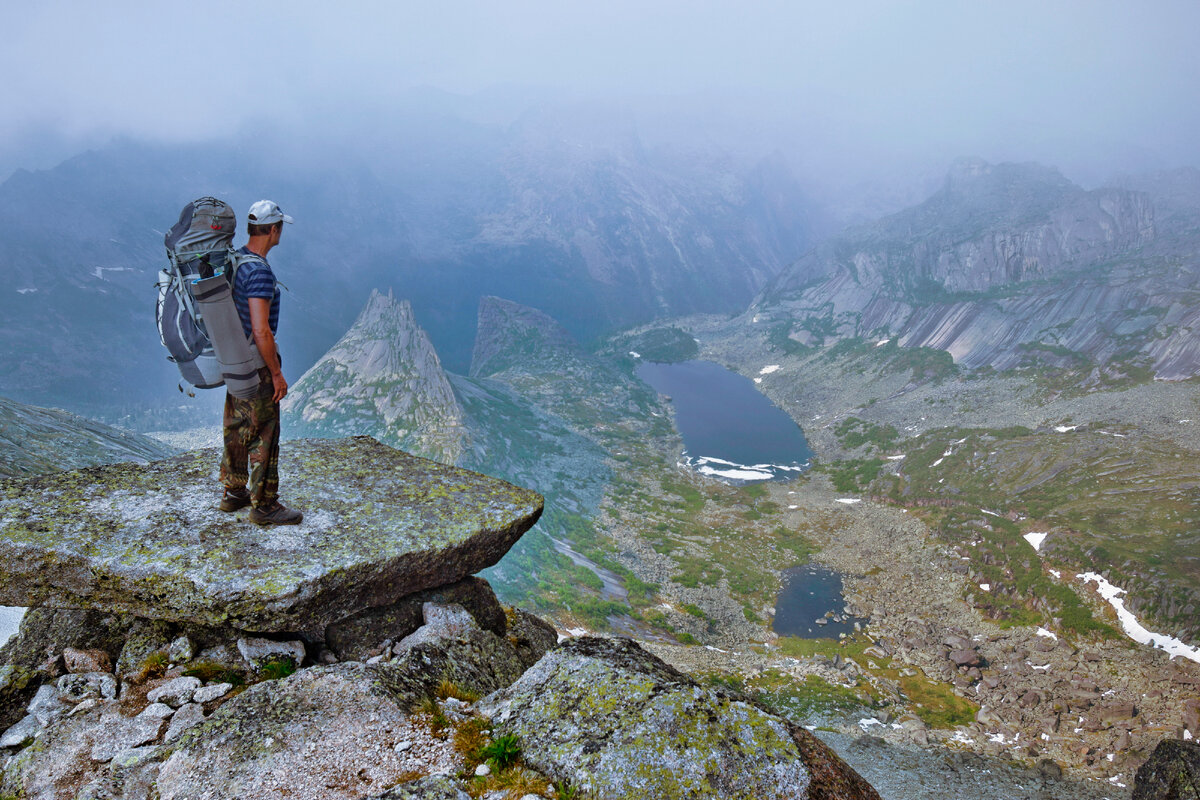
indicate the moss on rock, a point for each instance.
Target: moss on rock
{"x":148,"y":540}
{"x":611,"y":718}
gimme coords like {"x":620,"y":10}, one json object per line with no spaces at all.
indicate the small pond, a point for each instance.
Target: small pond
{"x":810,"y":593}
{"x":730,"y":429}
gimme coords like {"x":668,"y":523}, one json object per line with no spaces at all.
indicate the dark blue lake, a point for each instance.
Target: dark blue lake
{"x":730,"y":429}
{"x":810,"y":593}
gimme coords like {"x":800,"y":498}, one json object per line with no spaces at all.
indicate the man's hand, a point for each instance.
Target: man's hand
{"x":281,"y":386}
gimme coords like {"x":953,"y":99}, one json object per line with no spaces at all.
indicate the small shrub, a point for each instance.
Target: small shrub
{"x":519,"y":782}
{"x":448,"y":688}
{"x":153,"y":666}
{"x":502,"y":752}
{"x":565,"y":791}
{"x":277,"y":668}
{"x":210,"y":672}
{"x":429,"y":707}
{"x":470,"y":738}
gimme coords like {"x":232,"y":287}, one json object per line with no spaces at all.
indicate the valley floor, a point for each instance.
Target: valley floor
{"x":1078,"y":693}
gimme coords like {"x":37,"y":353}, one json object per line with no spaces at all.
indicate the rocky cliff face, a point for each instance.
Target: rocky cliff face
{"x":35,"y":440}
{"x":989,"y":226}
{"x":1007,"y":266}
{"x":382,"y":378}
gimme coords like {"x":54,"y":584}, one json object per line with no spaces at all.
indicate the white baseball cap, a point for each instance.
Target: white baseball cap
{"x":266,"y":212}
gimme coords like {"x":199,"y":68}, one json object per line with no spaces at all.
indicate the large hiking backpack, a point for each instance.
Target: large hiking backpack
{"x":196,"y":317}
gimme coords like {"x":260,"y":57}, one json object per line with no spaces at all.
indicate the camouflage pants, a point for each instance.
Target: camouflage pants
{"x":252,"y":438}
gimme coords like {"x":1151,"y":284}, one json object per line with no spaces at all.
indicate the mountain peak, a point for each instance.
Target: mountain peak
{"x":1006,"y":184}
{"x":383,"y":374}
{"x":507,"y":331}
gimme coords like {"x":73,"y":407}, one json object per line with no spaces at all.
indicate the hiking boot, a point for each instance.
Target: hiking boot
{"x":235,"y":499}
{"x":275,"y":514}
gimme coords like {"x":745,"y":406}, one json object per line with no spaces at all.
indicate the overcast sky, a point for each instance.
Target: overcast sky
{"x":870,"y":81}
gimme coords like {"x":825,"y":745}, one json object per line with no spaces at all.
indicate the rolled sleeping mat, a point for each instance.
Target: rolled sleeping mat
{"x":238,"y":357}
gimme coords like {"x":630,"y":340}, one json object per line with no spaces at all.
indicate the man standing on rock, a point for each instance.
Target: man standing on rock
{"x":252,"y":426}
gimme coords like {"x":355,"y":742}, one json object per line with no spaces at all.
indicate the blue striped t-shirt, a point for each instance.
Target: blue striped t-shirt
{"x":254,"y":278}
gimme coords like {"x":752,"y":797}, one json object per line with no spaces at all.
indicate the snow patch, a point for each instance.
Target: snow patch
{"x":634,"y":354}
{"x":1130,"y":624}
{"x":868,"y":722}
{"x":987,"y":587}
{"x":895,"y":458}
{"x":730,"y":471}
{"x":99,"y":271}
{"x":1065,"y":428}
{"x":26,"y":291}
{"x":1045,"y":634}
{"x":767,"y":370}
{"x":1035,"y":540}
{"x":940,"y":460}
{"x":1056,"y":573}
{"x":848,"y":500}
{"x":989,"y":513}
{"x":572,"y":633}
{"x":758,"y":380}
{"x":882,"y":342}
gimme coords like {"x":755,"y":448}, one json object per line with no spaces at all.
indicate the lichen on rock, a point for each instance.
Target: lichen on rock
{"x":148,"y":540}
{"x":611,"y":718}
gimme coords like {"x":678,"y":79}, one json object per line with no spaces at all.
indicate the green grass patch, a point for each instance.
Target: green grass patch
{"x":854,"y":433}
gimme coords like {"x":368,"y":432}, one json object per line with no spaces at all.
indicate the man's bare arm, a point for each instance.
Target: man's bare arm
{"x":260,"y":327}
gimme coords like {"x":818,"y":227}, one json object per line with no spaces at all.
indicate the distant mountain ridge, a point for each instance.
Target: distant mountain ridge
{"x":1008,"y":265}
{"x":595,"y":228}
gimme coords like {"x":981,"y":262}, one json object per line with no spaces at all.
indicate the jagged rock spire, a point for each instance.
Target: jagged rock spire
{"x":382,"y":377}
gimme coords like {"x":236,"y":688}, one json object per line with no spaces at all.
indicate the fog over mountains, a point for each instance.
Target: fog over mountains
{"x":601,"y":232}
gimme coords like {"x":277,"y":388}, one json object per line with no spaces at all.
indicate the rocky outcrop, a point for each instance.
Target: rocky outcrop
{"x":379,"y":525}
{"x":509,"y":333}
{"x":402,"y":724}
{"x":989,"y":226}
{"x":382,"y":378}
{"x":35,"y":440}
{"x":1008,"y":266}
{"x":1171,"y":773}
{"x":608,"y":717}
{"x":343,"y":730}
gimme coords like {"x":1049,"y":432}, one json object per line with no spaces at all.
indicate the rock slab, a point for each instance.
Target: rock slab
{"x":1171,"y":773}
{"x":614,"y":720}
{"x":149,"y":540}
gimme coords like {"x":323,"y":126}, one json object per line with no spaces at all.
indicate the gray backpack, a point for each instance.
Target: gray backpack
{"x":196,"y":317}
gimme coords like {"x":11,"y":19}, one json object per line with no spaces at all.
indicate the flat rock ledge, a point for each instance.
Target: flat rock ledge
{"x":149,"y":540}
